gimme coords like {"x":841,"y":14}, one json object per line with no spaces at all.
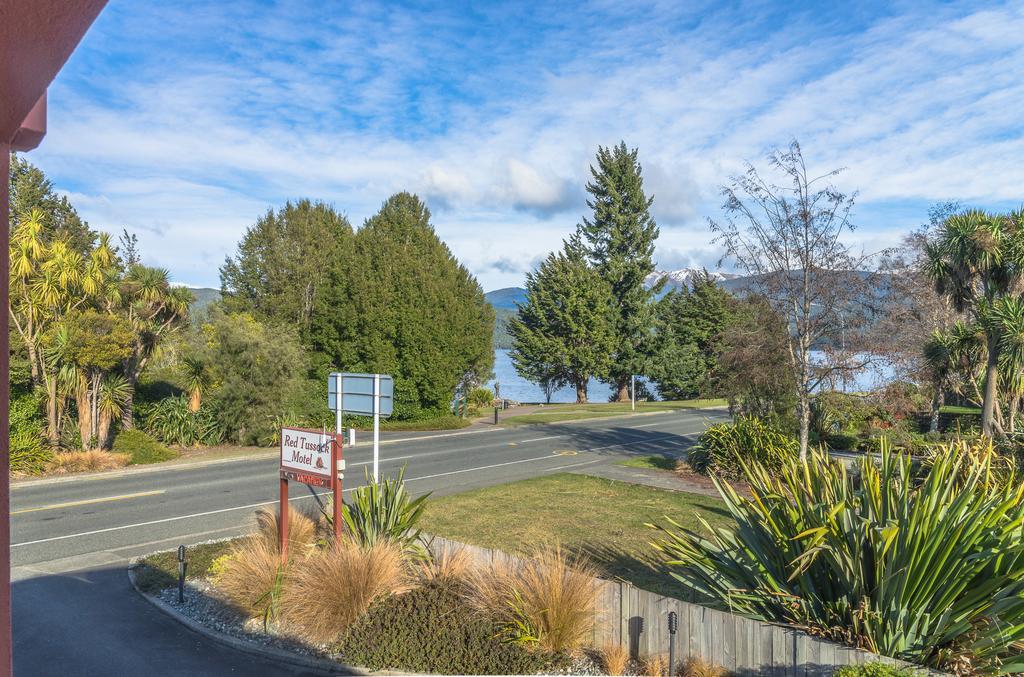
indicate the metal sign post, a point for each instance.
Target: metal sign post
{"x":364,"y":395}
{"x":376,"y":426}
{"x":632,"y":392}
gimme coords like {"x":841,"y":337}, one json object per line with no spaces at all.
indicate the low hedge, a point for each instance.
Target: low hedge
{"x":141,"y":448}
{"x":432,"y":630}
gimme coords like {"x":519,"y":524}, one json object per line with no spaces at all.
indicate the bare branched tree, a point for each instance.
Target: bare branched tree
{"x":789,"y":239}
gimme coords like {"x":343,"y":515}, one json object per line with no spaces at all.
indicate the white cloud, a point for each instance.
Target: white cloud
{"x":193,"y":144}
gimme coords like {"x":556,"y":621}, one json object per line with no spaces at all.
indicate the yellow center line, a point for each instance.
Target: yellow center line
{"x":90,"y":501}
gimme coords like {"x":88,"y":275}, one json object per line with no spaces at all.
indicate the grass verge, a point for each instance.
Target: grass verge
{"x":602,"y":518}
{"x":160,"y":571}
{"x":554,"y":413}
{"x":655,"y":462}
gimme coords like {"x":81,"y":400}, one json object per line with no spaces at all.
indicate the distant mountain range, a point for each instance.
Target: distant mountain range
{"x":504,"y":300}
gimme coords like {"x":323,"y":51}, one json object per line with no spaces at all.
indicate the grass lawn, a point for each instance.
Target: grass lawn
{"x":601,"y":517}
{"x":554,"y":413}
{"x":160,"y":571}
{"x":655,"y":462}
{"x":954,"y":409}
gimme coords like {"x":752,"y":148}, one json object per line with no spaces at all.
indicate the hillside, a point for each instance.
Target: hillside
{"x":503,"y":300}
{"x":204,"y":297}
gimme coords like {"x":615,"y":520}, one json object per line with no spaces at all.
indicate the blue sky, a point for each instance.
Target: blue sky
{"x":185,"y":121}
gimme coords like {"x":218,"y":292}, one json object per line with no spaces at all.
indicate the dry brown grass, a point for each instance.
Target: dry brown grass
{"x":698,"y":667}
{"x":251,"y":576}
{"x":614,"y":659}
{"x":302,"y":530}
{"x":451,"y":564}
{"x":331,"y":588}
{"x":553,"y":591}
{"x":85,"y":461}
{"x":656,"y":666}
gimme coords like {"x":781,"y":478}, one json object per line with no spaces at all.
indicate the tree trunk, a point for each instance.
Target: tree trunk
{"x":195,"y":400}
{"x":52,"y":424}
{"x":804,"y":413}
{"x":127,"y":413}
{"x":937,"y":402}
{"x":84,"y":416}
{"x":581,"y":391}
{"x":103,"y":430}
{"x":623,"y":394}
{"x":988,"y":407}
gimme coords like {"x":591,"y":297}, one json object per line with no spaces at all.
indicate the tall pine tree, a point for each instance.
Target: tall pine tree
{"x":619,"y":242}
{"x":690,"y":323}
{"x":413,"y":311}
{"x":564,"y":333}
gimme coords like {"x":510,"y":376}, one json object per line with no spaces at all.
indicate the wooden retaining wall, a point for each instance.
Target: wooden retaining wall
{"x":638,"y":619}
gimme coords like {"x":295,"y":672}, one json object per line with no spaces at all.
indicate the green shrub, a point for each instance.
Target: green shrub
{"x":433,"y":630}
{"x":872,"y":670}
{"x":481,"y":397}
{"x":28,"y":452}
{"x":842,"y":442}
{"x":384,"y":511}
{"x":724,"y":448}
{"x":927,"y":567}
{"x":171,"y":422}
{"x":141,"y":448}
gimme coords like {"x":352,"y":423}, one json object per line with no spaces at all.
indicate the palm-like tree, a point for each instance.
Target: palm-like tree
{"x":196,"y":380}
{"x":154,"y":309}
{"x":1008,"y":315}
{"x":977,"y":260}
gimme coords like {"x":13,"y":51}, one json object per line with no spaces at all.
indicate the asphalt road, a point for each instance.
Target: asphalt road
{"x":75,"y":613}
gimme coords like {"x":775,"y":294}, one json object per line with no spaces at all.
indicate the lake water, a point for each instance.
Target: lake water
{"x":515,"y":387}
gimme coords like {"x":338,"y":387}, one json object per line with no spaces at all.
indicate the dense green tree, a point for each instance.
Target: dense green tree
{"x":690,"y":322}
{"x":619,"y":241}
{"x":564,"y":331}
{"x":408,"y":308}
{"x":752,"y":368}
{"x":31,"y":189}
{"x":256,"y":374}
{"x":283,"y":265}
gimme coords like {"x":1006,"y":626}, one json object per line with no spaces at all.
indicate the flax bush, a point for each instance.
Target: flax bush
{"x":926,"y":568}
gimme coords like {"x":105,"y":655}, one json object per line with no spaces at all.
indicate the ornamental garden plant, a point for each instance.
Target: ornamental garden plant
{"x":923,"y":563}
{"x":379,"y":598}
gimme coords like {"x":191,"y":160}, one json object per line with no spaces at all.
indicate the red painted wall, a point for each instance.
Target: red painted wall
{"x":36,"y":39}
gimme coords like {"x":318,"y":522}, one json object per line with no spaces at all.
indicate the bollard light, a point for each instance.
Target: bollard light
{"x":673,"y":627}
{"x":181,"y":574}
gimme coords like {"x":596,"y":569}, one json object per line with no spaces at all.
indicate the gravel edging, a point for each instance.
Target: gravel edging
{"x":320,"y":666}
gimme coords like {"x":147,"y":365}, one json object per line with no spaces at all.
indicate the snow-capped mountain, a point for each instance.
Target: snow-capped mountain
{"x":684,"y":277}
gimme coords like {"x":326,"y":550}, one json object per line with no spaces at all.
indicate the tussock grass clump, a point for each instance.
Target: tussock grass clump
{"x":332,"y":588}
{"x":614,"y":659}
{"x":302,"y":530}
{"x":250,"y":577}
{"x":85,"y":461}
{"x":451,"y":564}
{"x":696,"y":666}
{"x":656,"y":666}
{"x":548,"y":599}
